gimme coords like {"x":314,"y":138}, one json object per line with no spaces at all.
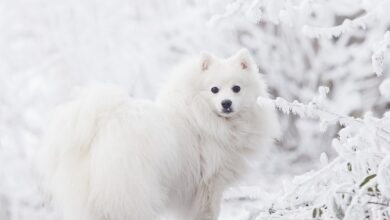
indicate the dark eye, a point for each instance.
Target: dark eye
{"x":236,"y":89}
{"x":214,"y":90}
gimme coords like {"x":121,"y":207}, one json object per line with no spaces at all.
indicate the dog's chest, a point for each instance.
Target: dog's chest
{"x":223,"y":154}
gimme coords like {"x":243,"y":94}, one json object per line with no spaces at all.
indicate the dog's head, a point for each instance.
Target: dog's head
{"x":230,"y":85}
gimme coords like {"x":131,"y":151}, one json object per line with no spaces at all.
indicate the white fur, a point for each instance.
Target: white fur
{"x":110,"y":157}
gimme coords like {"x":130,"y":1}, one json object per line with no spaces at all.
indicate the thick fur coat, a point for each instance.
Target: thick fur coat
{"x":110,"y":157}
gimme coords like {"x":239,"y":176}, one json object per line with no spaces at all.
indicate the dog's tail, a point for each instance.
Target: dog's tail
{"x":73,"y":125}
{"x":70,"y":134}
{"x":93,"y":104}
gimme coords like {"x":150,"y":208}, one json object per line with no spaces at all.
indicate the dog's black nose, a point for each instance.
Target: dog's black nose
{"x":226,"y":103}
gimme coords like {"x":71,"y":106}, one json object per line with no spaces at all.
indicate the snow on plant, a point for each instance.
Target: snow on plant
{"x":378,"y":56}
{"x":385,"y":88}
{"x":340,"y":44}
{"x":355,"y":185}
{"x":301,"y":45}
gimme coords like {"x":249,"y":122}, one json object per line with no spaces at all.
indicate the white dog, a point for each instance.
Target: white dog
{"x":110,"y":157}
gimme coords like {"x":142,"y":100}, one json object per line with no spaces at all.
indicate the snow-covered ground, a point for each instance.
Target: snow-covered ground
{"x":49,"y":47}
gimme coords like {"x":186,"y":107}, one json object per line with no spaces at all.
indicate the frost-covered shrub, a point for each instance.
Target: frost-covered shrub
{"x":341,"y":45}
{"x":355,"y":185}
{"x":301,"y":45}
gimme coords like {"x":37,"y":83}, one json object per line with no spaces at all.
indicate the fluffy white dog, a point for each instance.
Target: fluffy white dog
{"x":110,"y":157}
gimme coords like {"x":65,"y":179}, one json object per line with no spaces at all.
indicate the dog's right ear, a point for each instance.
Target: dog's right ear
{"x":245,"y":59}
{"x":206,"y":60}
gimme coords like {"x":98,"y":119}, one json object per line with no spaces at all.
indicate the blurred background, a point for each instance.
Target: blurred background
{"x":49,"y":47}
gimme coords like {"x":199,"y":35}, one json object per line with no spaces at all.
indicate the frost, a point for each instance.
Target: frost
{"x":359,"y":172}
{"x":231,"y":9}
{"x":378,"y":56}
{"x":336,"y":31}
{"x":324,"y":158}
{"x":385,"y":88}
{"x":384,"y":177}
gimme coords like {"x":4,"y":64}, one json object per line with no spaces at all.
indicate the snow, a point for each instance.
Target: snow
{"x":378,"y":56}
{"x":385,"y":88}
{"x":331,"y":57}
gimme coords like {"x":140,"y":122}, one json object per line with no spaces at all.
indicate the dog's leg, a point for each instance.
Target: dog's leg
{"x":207,"y":201}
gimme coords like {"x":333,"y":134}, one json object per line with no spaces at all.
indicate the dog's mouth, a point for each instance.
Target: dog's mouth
{"x":226,"y":112}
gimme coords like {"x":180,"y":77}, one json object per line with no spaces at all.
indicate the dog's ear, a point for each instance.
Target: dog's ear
{"x":206,"y":60}
{"x":244,"y":58}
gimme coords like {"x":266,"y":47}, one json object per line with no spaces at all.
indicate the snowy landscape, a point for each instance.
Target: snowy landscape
{"x":326,"y":62}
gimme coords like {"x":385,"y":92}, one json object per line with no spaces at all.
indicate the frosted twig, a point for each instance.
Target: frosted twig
{"x":355,"y":200}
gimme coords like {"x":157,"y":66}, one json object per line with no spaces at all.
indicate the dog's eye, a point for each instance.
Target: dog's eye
{"x":236,"y":89}
{"x":214,"y":90}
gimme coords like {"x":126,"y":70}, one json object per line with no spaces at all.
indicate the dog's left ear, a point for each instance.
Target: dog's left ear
{"x":206,"y":59}
{"x":245,"y":59}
